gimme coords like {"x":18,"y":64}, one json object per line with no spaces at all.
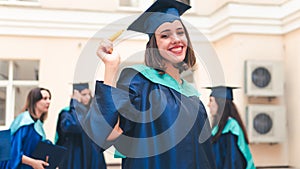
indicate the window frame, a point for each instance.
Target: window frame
{"x":20,"y":3}
{"x":144,"y":4}
{"x":11,"y":85}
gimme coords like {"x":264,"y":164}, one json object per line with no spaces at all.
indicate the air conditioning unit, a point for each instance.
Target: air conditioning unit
{"x":264,"y":78}
{"x":266,"y":123}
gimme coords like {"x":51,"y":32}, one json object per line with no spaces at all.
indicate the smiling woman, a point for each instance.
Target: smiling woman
{"x":170,"y":45}
{"x":157,"y":116}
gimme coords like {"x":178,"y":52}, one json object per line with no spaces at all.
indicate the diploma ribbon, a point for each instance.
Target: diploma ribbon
{"x":114,"y":37}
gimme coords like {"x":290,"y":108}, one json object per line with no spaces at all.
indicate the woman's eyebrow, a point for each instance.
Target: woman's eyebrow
{"x":166,"y":30}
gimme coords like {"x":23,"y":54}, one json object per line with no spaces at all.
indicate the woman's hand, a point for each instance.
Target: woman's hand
{"x":111,"y":60}
{"x":116,"y":132}
{"x":34,"y":163}
{"x":39,"y":164}
{"x":76,"y":95}
{"x":107,"y":55}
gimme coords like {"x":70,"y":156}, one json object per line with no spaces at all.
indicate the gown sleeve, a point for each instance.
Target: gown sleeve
{"x":132,"y":82}
{"x":235,"y":158}
{"x":17,"y":148}
{"x":24,"y":141}
{"x":68,"y":121}
{"x":106,"y":107}
{"x":228,"y":154}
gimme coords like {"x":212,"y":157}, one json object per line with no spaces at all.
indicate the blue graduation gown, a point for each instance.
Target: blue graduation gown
{"x":231,"y":150}
{"x":162,"y":121}
{"x":26,"y":134}
{"x":82,"y":153}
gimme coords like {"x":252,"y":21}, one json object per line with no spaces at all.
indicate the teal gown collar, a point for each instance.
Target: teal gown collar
{"x":166,"y":80}
{"x":25,"y":119}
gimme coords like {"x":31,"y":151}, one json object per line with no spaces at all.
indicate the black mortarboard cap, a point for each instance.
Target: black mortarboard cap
{"x":80,"y":86}
{"x":159,"y":12}
{"x":5,"y":145}
{"x":224,"y":92}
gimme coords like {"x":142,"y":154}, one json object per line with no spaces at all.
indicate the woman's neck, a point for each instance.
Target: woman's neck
{"x":38,"y":114}
{"x":173,"y":72}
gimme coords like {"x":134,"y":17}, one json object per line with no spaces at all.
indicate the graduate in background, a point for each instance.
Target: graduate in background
{"x":82,"y":153}
{"x":5,"y":145}
{"x":159,"y":113}
{"x":27,"y":131}
{"x":230,"y":140}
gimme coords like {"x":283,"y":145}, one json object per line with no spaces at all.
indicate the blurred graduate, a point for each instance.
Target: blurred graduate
{"x":230,"y":140}
{"x":153,"y":116}
{"x":27,"y":131}
{"x":5,"y":149}
{"x":82,"y":153}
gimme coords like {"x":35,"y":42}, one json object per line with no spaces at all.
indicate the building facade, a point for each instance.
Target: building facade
{"x":45,"y":43}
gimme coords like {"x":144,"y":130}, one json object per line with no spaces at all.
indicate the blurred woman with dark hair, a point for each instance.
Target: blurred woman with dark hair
{"x":27,"y":131}
{"x":229,"y":136}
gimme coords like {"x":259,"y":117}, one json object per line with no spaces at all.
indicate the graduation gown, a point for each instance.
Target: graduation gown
{"x":164,"y":123}
{"x":26,"y":133}
{"x":5,"y":148}
{"x":231,"y":150}
{"x":82,"y":153}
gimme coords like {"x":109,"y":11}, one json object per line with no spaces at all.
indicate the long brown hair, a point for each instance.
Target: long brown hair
{"x":226,"y":109}
{"x":33,"y":97}
{"x":155,"y":60}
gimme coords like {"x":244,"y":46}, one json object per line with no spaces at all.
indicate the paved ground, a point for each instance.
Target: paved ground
{"x":119,"y":167}
{"x":113,"y":167}
{"x":281,"y":167}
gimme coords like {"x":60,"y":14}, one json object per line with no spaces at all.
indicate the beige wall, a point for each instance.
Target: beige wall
{"x":292,"y":60}
{"x":58,"y":56}
{"x":205,"y":7}
{"x":232,"y":52}
{"x":57,"y":68}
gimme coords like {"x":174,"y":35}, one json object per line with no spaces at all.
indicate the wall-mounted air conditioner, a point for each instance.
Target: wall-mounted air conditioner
{"x":266,"y":123}
{"x":264,"y":78}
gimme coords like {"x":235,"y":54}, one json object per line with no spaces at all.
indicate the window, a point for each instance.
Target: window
{"x":21,"y":0}
{"x":185,"y":1}
{"x":17,"y":77}
{"x":129,"y":3}
{"x":135,"y":4}
{"x":2,"y":105}
{"x":141,"y":4}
